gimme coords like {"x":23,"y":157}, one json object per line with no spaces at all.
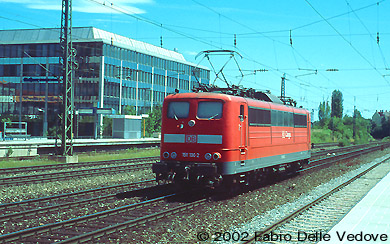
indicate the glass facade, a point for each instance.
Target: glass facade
{"x":146,"y":79}
{"x":110,"y":74}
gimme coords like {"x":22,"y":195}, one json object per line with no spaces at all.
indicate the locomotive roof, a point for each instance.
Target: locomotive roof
{"x":272,"y":99}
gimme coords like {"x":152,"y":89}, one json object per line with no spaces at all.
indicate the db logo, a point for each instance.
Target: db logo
{"x":191,"y":138}
{"x":286,"y":134}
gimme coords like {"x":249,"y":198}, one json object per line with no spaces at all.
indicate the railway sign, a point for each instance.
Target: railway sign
{"x":94,"y":110}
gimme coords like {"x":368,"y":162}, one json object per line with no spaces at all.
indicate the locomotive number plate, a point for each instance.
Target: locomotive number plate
{"x":191,"y":139}
{"x":190,"y":155}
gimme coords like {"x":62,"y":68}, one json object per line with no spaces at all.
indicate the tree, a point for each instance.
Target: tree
{"x":385,"y":127}
{"x":323,"y":113}
{"x":128,"y":110}
{"x":153,"y":122}
{"x":337,"y":104}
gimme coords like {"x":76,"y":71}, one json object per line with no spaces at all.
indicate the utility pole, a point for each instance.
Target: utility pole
{"x":68,"y":54}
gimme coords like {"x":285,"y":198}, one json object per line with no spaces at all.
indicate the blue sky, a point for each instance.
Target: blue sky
{"x":325,"y":35}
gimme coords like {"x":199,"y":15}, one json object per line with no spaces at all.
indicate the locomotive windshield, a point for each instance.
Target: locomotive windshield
{"x":178,"y":110}
{"x":209,"y":110}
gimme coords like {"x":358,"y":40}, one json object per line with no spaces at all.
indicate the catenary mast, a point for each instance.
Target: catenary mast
{"x":67,"y":62}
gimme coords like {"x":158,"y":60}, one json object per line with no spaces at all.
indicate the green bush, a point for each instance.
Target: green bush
{"x":344,"y":142}
{"x":321,"y":135}
{"x":9,"y":152}
{"x":341,"y":130}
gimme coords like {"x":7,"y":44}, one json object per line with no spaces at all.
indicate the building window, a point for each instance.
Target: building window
{"x":33,"y":70}
{"x":10,"y":70}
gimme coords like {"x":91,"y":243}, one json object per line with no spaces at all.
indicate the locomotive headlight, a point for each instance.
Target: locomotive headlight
{"x":216,"y":156}
{"x":207,"y":156}
{"x":166,"y":154}
{"x":191,"y":123}
{"x":173,"y":155}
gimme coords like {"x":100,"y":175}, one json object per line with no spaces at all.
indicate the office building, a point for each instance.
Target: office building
{"x":111,"y":71}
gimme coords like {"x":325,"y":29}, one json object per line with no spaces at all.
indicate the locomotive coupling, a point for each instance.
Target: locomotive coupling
{"x":199,"y":173}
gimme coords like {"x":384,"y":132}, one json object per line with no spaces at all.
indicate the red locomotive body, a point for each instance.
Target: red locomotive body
{"x":211,"y":138}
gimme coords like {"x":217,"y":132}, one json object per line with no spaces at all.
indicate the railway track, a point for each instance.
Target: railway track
{"x":92,"y":169}
{"x":45,"y":153}
{"x":333,"y":151}
{"x":41,"y":203}
{"x":321,"y":214}
{"x":14,"y":210}
{"x":339,"y":155}
{"x":40,"y":168}
{"x":42,"y":210}
{"x":94,"y":226}
{"x":94,"y":231}
{"x":66,"y":175}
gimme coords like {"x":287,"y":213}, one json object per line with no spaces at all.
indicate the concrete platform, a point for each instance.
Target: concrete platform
{"x":368,"y":221}
{"x":44,"y":141}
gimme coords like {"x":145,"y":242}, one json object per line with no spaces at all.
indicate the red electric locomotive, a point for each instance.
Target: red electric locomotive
{"x":211,"y":138}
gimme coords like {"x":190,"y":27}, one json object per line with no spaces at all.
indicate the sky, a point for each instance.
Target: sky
{"x":318,"y":46}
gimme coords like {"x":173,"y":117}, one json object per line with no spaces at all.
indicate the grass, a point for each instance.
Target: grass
{"x":92,"y":157}
{"x":11,"y":163}
{"x":129,"y":153}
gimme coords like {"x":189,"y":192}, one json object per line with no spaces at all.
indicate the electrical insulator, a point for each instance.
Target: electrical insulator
{"x":377,"y":38}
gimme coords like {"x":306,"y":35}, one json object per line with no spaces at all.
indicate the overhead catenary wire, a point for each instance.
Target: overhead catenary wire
{"x":252,"y":29}
{"x":314,"y":22}
{"x":350,"y":44}
{"x":122,"y":10}
{"x":300,"y":61}
{"x":246,"y":56}
{"x":368,"y":31}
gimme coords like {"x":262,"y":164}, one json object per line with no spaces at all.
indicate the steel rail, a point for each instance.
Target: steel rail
{"x":25,"y":169}
{"x":18,"y":179}
{"x":36,"y":168}
{"x":7,"y":206}
{"x":64,"y":175}
{"x":16,"y":215}
{"x":318,"y":162}
{"x":343,"y":149}
{"x":105,"y":230}
{"x":94,"y":235}
{"x":307,"y":206}
{"x":342,"y":156}
{"x":20,"y":235}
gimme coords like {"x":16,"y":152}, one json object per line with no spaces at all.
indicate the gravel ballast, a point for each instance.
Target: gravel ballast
{"x":248,"y":211}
